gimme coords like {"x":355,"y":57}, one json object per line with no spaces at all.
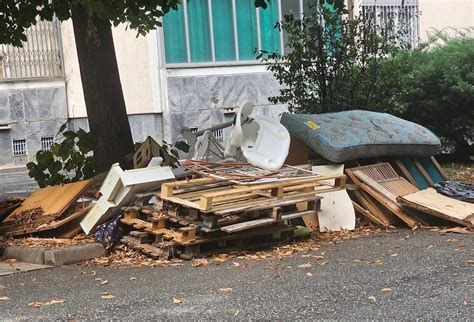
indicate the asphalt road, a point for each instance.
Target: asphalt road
{"x":431,"y":277}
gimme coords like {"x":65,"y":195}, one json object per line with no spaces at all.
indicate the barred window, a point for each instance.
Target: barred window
{"x":46,"y":143}
{"x":19,"y":147}
{"x":218,"y":134}
{"x":39,"y":57}
{"x":397,"y":16}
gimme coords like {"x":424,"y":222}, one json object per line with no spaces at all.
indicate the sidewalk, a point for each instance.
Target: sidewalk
{"x":16,"y":182}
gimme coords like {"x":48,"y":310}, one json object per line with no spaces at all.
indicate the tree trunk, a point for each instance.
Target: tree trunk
{"x":108,"y":121}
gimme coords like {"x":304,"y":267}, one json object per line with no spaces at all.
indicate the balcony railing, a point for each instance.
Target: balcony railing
{"x":39,"y":57}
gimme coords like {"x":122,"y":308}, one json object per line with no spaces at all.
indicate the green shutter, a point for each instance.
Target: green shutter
{"x":175,"y":39}
{"x":269,"y":35}
{"x":246,"y":29}
{"x":223,"y":27}
{"x":199,"y":35}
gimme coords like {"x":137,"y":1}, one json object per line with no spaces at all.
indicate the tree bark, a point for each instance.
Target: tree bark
{"x":105,"y":104}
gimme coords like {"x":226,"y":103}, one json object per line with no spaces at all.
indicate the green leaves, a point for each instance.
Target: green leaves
{"x":68,"y":161}
{"x":142,"y":15}
{"x":333,"y":62}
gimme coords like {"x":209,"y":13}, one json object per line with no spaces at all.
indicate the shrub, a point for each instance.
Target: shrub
{"x":69,"y":160}
{"x":334,"y":63}
{"x":439,"y":92}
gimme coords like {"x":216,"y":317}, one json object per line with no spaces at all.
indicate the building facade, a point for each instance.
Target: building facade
{"x":194,"y":72}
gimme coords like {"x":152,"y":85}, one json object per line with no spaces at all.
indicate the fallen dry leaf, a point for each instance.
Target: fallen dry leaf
{"x":200,"y":262}
{"x":106,"y":296}
{"x":378,"y":262}
{"x":465,"y":302}
{"x":5,"y":298}
{"x":104,"y":282}
{"x":2,"y":287}
{"x":394,"y":254}
{"x":358,"y":261}
{"x":236,"y":312}
{"x":372,"y":298}
{"x":225,"y":289}
{"x":35,"y":304}
{"x":98,"y":279}
{"x":313,"y":256}
{"x":177,"y":301}
{"x":386,"y":289}
{"x":235,"y":264}
{"x":470,"y":261}
{"x":309,"y":274}
{"x":54,"y":301}
{"x":429,"y":246}
{"x":133,"y":278}
{"x":307,"y":265}
{"x":93,"y":273}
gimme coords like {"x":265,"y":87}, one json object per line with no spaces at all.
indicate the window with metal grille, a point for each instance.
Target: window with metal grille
{"x":46,"y":143}
{"x":19,"y":147}
{"x":399,"y":17}
{"x":40,"y":55}
{"x":218,"y":134}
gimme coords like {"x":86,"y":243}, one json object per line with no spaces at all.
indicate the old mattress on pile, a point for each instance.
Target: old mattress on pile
{"x":356,"y":134}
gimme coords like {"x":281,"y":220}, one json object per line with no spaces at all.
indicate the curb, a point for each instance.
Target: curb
{"x":53,"y":256}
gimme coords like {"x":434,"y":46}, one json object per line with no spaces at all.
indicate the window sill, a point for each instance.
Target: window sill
{"x":214,"y":64}
{"x":215,"y":68}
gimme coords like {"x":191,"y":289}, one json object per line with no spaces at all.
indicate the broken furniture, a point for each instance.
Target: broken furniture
{"x":119,"y":189}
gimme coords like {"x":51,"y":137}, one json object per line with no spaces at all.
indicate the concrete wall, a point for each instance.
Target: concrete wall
{"x":32,"y":110}
{"x":134,"y":69}
{"x":201,"y":101}
{"x":443,"y":14}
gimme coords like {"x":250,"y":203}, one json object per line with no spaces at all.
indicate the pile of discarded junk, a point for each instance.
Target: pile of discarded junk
{"x":326,"y":172}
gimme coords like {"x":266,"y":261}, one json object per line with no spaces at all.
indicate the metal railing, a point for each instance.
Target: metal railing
{"x":39,"y":57}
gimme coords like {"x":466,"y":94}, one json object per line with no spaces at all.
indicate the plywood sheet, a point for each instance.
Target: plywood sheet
{"x":337,"y":211}
{"x":436,"y":204}
{"x":52,"y":200}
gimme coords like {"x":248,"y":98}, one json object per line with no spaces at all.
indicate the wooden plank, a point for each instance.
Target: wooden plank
{"x":277,"y":203}
{"x":33,"y":227}
{"x":405,"y":172}
{"x":423,"y":172}
{"x":368,"y":202}
{"x":264,"y":221}
{"x":390,"y":205}
{"x":437,"y":166}
{"x":248,"y":225}
{"x":431,"y":202}
{"x":53,"y":200}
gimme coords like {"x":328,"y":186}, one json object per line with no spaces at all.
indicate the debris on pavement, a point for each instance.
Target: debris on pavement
{"x":215,"y":211}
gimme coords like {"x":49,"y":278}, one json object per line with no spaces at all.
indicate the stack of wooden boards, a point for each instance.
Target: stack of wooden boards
{"x":51,"y":211}
{"x":387,"y":197}
{"x":202,"y":216}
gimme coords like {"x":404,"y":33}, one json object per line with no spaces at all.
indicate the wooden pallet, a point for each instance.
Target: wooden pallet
{"x":197,"y":194}
{"x":163,"y":250}
{"x":255,"y":238}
